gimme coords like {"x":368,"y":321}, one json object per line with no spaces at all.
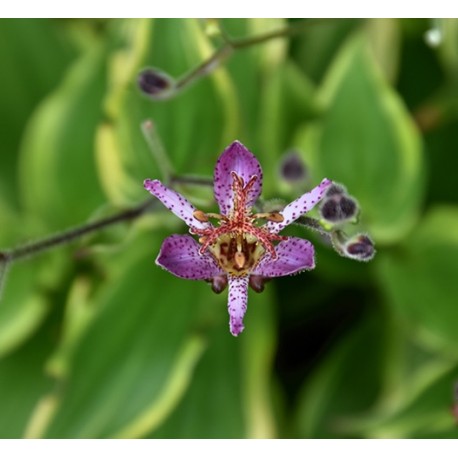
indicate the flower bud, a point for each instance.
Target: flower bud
{"x":359,"y":247}
{"x":335,"y":189}
{"x":292,"y":168}
{"x":338,"y":208}
{"x":155,"y":83}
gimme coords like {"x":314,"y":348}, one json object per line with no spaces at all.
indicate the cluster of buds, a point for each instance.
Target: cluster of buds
{"x":336,"y":209}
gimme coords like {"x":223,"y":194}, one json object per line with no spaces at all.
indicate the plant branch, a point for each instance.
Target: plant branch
{"x":231,"y":45}
{"x":68,"y":236}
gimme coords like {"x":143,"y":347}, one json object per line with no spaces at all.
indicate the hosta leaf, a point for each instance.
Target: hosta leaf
{"x":26,"y":297}
{"x":194,"y":126}
{"x":29,"y":72}
{"x":230,"y":392}
{"x":133,"y":348}
{"x":367,"y":141}
{"x":420,"y":277}
{"x":346,"y":385}
{"x":23,"y":382}
{"x":58,"y":178}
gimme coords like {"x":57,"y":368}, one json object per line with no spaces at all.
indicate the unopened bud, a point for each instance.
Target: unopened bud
{"x":359,"y":247}
{"x":338,"y":208}
{"x":292,"y":168}
{"x":335,"y":189}
{"x":155,"y":83}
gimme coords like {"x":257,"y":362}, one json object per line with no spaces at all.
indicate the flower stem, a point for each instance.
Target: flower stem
{"x":231,"y":45}
{"x":31,"y":249}
{"x":313,"y":224}
{"x":157,"y":149}
{"x":9,"y":256}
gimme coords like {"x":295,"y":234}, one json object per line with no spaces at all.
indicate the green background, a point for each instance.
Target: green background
{"x":96,"y":341}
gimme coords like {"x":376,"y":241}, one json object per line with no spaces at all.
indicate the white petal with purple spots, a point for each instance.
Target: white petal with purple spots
{"x":238,"y":297}
{"x":298,"y":207}
{"x":293,"y":255}
{"x":180,"y":256}
{"x":235,"y":158}
{"x":175,"y":202}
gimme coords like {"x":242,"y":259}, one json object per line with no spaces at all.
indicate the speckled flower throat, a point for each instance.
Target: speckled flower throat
{"x":238,"y":244}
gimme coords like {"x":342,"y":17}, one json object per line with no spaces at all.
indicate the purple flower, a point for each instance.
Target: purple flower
{"x":239,"y":250}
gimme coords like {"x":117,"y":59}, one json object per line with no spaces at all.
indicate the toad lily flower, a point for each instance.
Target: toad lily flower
{"x":239,"y":250}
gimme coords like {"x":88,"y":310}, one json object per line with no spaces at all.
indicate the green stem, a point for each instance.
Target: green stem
{"x":231,"y":45}
{"x":157,"y":149}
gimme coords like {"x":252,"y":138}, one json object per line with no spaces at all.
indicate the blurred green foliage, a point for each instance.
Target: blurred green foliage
{"x":96,"y":341}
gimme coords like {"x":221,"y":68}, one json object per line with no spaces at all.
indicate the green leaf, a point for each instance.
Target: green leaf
{"x":23,"y":382}
{"x":59,"y":185}
{"x":367,"y":141}
{"x":230,"y":392}
{"x":425,"y":409}
{"x":29,"y":72}
{"x":288,"y":101}
{"x":346,"y":385}
{"x":212,"y":407}
{"x":194,"y":127}
{"x":135,"y":358}
{"x":26,"y":298}
{"x":420,"y":277}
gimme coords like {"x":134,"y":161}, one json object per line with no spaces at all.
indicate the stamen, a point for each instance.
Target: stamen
{"x":275,"y":217}
{"x":217,"y":216}
{"x":200,"y":216}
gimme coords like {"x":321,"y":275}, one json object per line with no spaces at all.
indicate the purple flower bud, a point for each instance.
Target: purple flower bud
{"x":155,"y":83}
{"x":335,"y":189}
{"x":359,"y":247}
{"x":338,"y":208}
{"x":292,"y":168}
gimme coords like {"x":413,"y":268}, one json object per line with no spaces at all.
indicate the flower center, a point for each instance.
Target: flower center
{"x":237,"y":243}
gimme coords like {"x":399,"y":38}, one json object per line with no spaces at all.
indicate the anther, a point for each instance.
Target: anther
{"x":275,"y":217}
{"x":200,"y":216}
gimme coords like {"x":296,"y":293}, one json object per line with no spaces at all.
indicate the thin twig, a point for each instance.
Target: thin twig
{"x":157,"y":149}
{"x":231,"y":45}
{"x":68,"y":236}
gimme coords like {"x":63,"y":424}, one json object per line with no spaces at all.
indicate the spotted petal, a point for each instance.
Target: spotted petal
{"x":300,"y":206}
{"x":238,"y":297}
{"x":236,"y":158}
{"x":293,"y":255}
{"x":175,"y":202}
{"x":180,"y":256}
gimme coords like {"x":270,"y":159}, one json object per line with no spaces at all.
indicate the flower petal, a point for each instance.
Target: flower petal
{"x":293,"y":255}
{"x":180,"y":256}
{"x":236,"y":158}
{"x":175,"y":202}
{"x":238,"y":297}
{"x":300,"y":206}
